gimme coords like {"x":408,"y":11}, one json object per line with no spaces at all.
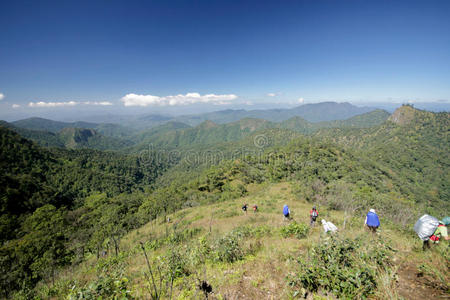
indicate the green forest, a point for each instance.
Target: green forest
{"x":106,"y":211}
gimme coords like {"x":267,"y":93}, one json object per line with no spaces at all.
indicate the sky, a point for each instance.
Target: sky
{"x":59,"y":57}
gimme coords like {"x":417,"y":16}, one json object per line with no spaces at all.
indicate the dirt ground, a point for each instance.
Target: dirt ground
{"x":412,"y":284}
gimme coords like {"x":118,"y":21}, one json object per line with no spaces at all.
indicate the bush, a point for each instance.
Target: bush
{"x":347,"y":268}
{"x":295,"y":229}
{"x":104,"y":287}
{"x":228,"y":249}
{"x":175,"y":263}
{"x":251,"y":231}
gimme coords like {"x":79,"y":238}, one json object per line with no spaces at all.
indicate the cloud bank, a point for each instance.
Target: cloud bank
{"x":271,"y":94}
{"x":2,"y":96}
{"x":15,"y":106}
{"x":189,"y":98}
{"x":300,"y":100}
{"x":68,"y":103}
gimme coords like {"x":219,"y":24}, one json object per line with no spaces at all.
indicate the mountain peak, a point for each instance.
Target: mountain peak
{"x":403,"y":115}
{"x":207,"y":124}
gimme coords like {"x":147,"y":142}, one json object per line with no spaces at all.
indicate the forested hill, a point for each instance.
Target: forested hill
{"x":207,"y":133}
{"x":41,"y":124}
{"x":32,"y":177}
{"x":413,"y":143}
{"x":39,"y":186}
{"x":173,"y":134}
{"x":179,"y":135}
{"x":74,"y":138}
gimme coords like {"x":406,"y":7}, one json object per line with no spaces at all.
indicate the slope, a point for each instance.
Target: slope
{"x":412,"y":143}
{"x":39,"y":191}
{"x":216,"y":251}
{"x":76,"y":138}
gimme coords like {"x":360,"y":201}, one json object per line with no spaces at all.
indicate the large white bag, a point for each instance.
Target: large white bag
{"x":426,"y":226}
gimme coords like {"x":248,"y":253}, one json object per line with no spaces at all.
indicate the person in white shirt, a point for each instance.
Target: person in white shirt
{"x":329,"y":227}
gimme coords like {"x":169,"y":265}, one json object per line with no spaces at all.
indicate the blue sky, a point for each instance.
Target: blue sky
{"x":93,"y":52}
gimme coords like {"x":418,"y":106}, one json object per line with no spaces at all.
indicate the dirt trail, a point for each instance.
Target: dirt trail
{"x":412,"y":284}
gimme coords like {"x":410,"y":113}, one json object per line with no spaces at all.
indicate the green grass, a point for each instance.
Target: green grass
{"x":252,"y":256}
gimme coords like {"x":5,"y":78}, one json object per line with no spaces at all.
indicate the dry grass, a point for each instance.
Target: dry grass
{"x":261,"y":275}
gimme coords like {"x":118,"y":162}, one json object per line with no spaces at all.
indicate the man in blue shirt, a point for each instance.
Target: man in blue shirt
{"x":286,"y":211}
{"x":372,"y":221}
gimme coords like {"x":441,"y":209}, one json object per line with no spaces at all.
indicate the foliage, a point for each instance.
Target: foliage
{"x":345,"y":267}
{"x":38,"y":185}
{"x":228,"y":248}
{"x":103,"y":287}
{"x":294,"y":229}
{"x":60,"y":206}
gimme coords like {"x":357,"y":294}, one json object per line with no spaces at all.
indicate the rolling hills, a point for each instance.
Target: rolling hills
{"x":184,"y":207}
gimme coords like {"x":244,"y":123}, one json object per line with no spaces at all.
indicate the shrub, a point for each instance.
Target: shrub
{"x":251,"y":231}
{"x":228,"y":249}
{"x":175,"y":263}
{"x":199,"y":251}
{"x":103,"y":287}
{"x":347,"y":268}
{"x":294,"y":229}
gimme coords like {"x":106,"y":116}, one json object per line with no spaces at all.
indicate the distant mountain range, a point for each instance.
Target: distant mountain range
{"x":317,"y":112}
{"x":173,"y":133}
{"x":176,"y":134}
{"x":119,"y":126}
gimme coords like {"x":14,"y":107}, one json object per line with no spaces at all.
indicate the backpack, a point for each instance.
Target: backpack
{"x":426,"y":226}
{"x":314,"y":214}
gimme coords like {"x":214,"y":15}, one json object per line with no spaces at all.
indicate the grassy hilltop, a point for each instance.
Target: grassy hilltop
{"x":262,"y":256}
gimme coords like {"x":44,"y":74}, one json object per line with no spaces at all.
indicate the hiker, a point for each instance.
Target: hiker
{"x":372,"y":221}
{"x":329,"y":227}
{"x":255,"y":208}
{"x":286,"y":211}
{"x":425,"y":227}
{"x":244,"y":207}
{"x":440,"y":232}
{"x":313,"y":214}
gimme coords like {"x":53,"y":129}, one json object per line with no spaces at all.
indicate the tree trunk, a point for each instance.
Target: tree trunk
{"x":345,"y":219}
{"x":116,"y":246}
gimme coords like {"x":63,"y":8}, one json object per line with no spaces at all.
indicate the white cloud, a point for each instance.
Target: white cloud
{"x":15,"y":106}
{"x":68,"y":103}
{"x":189,"y":98}
{"x":102,"y":103}
{"x":271,"y":94}
{"x":2,"y":96}
{"x":300,"y":100}
{"x":52,"y":104}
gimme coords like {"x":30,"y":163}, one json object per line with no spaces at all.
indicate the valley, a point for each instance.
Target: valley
{"x":80,"y":208}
